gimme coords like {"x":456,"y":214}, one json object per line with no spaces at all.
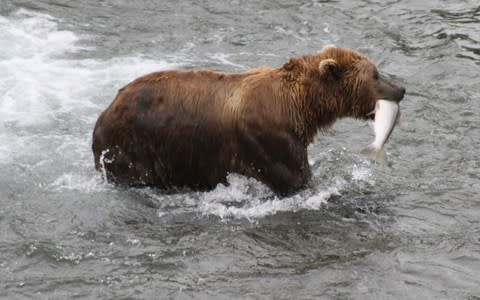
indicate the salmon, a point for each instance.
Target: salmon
{"x":386,"y":116}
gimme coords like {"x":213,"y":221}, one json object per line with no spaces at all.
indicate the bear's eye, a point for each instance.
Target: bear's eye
{"x":376,"y":76}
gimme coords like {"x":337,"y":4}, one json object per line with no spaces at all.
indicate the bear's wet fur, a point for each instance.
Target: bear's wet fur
{"x":175,"y":129}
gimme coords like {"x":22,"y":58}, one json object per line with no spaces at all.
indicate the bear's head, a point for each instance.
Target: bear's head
{"x":355,"y":80}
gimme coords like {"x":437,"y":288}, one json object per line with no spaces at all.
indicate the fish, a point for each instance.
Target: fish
{"x":387,"y":115}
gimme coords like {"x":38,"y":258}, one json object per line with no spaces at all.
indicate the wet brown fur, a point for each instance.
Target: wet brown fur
{"x":175,"y":129}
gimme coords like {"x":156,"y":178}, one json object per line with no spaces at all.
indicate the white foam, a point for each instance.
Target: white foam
{"x":250,"y":199}
{"x":29,"y":74}
{"x":254,"y":200}
{"x":258,"y":208}
{"x":87,"y":183}
{"x":362,"y":173}
{"x":44,"y":90}
{"x":39,"y":82}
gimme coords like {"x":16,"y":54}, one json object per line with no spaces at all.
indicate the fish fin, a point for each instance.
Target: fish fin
{"x":378,"y":155}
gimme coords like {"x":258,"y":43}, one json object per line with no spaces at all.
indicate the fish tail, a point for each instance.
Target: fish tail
{"x":377,"y":154}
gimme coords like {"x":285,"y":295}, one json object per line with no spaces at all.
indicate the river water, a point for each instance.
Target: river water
{"x":362,"y":231}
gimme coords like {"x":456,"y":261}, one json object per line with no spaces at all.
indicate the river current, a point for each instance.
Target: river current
{"x":362,"y":231}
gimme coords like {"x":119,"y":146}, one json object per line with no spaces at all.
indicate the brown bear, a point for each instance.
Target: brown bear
{"x":176,"y":129}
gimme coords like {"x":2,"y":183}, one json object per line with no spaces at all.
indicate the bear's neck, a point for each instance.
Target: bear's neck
{"x":318,"y":117}
{"x":312,"y":105}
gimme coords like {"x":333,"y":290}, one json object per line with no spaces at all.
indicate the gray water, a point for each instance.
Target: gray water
{"x":362,"y":231}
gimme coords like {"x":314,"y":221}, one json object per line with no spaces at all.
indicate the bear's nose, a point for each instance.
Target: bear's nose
{"x":401,"y":93}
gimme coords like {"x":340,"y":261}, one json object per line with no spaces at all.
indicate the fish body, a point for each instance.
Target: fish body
{"x":386,"y":116}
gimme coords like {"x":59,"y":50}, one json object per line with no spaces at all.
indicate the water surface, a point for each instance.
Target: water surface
{"x":362,"y":231}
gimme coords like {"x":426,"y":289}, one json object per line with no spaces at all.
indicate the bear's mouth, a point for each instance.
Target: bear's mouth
{"x":370,"y":115}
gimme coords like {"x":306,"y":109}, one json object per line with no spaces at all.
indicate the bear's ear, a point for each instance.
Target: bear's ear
{"x":328,"y":68}
{"x":328,"y":46}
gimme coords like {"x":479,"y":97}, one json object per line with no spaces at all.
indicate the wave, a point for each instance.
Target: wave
{"x":46,"y":93}
{"x":247,"y":198}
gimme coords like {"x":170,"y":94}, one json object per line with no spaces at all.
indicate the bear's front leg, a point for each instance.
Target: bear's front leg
{"x":277,"y":159}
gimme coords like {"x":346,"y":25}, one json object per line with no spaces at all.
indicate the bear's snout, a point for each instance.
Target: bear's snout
{"x":401,"y":93}
{"x":388,"y":90}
